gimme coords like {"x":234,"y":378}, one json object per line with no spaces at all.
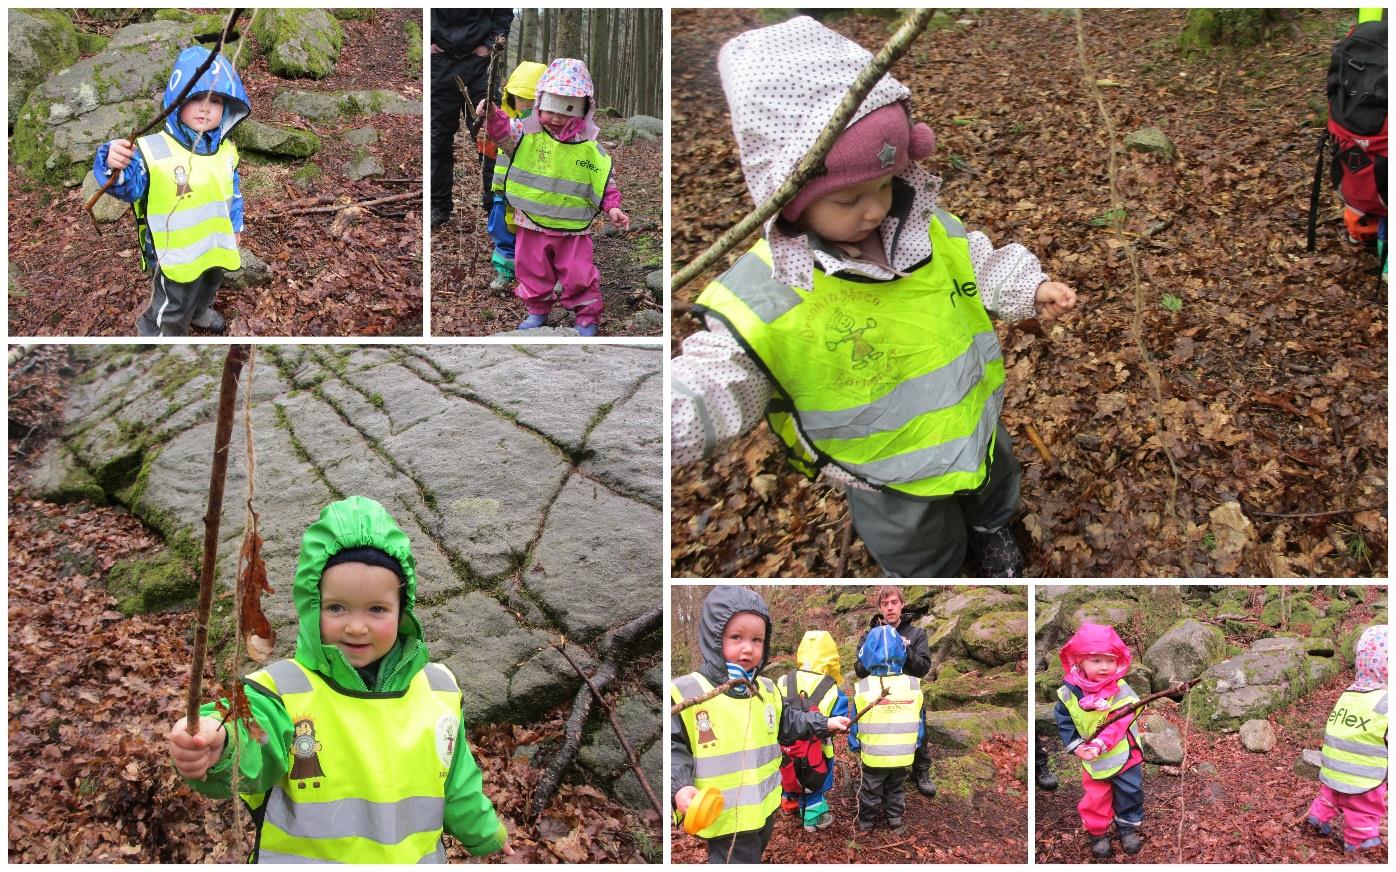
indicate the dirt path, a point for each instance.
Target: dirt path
{"x":987,"y":827}
{"x":462,"y":303}
{"x":1273,"y":367}
{"x":328,"y":278}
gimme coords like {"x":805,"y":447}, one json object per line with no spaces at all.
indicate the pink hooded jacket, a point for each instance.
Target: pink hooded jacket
{"x":570,"y":78}
{"x":1098,"y":639}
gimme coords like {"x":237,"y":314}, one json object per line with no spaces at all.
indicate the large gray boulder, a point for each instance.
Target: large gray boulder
{"x":1249,"y":686}
{"x":996,"y":638}
{"x":1183,"y":652}
{"x":646,"y":123}
{"x":327,"y":105}
{"x":95,"y":100}
{"x":299,"y":43}
{"x":1160,"y":741}
{"x":42,"y":42}
{"x":255,"y":135}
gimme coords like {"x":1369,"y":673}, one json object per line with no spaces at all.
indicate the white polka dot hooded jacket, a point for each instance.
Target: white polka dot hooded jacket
{"x":783,"y":84}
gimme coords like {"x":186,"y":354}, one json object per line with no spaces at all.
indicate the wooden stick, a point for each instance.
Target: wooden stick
{"x":1041,"y":446}
{"x":227,"y":398}
{"x":175,"y":104}
{"x":1140,"y":703}
{"x":716,"y":691}
{"x":615,"y":726}
{"x":880,"y":697}
{"x":845,"y":545}
{"x":813,"y":162}
{"x":1326,"y":514}
{"x":395,"y":198}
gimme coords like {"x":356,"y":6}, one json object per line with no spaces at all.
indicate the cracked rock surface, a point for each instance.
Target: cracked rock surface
{"x":528,"y":480}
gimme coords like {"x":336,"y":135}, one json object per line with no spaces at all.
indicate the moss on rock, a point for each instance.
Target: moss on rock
{"x":299,"y":43}
{"x":849,"y":601}
{"x":963,"y":775}
{"x":152,"y":584}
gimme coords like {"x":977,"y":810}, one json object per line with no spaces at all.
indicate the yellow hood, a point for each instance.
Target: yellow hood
{"x":523,"y":83}
{"x":818,"y":653}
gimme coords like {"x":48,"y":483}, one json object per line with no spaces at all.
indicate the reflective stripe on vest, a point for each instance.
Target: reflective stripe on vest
{"x":188,"y":207}
{"x":899,"y":383}
{"x":806,"y":683}
{"x":558,"y":185}
{"x":1112,"y":759}
{"x":501,"y":166}
{"x":337,"y":801}
{"x":1354,"y":743}
{"x":888,"y":731}
{"x":734,"y":750}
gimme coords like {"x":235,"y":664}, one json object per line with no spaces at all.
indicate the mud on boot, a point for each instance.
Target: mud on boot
{"x":1100,"y":846}
{"x":1130,"y":840}
{"x":995,"y":552}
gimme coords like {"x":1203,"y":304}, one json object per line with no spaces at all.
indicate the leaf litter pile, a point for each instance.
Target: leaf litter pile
{"x":352,"y":272}
{"x":93,"y":694}
{"x":987,"y":827}
{"x":462,"y":303}
{"x":1235,"y":806}
{"x":1271,"y":361}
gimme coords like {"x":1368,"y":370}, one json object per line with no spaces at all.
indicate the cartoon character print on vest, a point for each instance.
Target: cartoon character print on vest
{"x":705,"y":728}
{"x":841,"y":327}
{"x":447,"y":729}
{"x":305,"y":753}
{"x":181,"y":181}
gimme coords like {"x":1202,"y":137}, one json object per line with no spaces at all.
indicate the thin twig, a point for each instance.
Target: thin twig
{"x":615,"y":726}
{"x":227,"y":396}
{"x":845,"y":545}
{"x":813,"y":161}
{"x":1325,"y":514}
{"x":1041,"y":446}
{"x":716,"y":691}
{"x":395,"y":198}
{"x":189,"y":86}
{"x":1119,"y":714}
{"x":880,"y":697}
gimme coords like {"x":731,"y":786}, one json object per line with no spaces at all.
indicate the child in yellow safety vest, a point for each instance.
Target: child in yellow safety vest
{"x":1354,"y":766}
{"x":888,"y":731}
{"x":859,"y":323}
{"x":517,"y":102}
{"x":814,"y":686}
{"x":732,"y":741}
{"x":558,"y":181}
{"x":183,"y":182}
{"x":363,"y":756}
{"x":1095,"y":661}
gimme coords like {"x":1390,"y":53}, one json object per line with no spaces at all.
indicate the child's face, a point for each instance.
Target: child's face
{"x":744,"y":640}
{"x":891,"y":607}
{"x":522,"y":105}
{"x":202,"y":113}
{"x":553,"y":122}
{"x":850,"y":214}
{"x":359,"y":610}
{"x":1097,"y":666}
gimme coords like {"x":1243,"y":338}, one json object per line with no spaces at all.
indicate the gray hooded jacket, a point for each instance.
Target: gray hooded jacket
{"x":719,"y":607}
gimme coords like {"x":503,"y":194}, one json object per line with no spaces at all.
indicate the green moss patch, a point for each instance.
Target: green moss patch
{"x":152,"y":584}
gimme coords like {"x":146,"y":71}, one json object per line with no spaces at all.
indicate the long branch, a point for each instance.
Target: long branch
{"x":1135,"y":706}
{"x":173,"y":105}
{"x":716,"y":691}
{"x":615,"y":726}
{"x":867,"y":708}
{"x":213,"y":515}
{"x":378,"y":201}
{"x":813,"y":160}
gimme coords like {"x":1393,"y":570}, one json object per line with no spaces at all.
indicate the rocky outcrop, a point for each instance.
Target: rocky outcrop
{"x":299,"y":43}
{"x":326,"y":105}
{"x":42,"y":42}
{"x":255,"y":135}
{"x":1271,"y":674}
{"x":1183,"y":652}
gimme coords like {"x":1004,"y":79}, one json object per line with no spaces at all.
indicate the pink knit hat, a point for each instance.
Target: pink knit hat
{"x":881,"y":143}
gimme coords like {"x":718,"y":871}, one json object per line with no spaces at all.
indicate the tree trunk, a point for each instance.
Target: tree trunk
{"x":1208,"y":28}
{"x":569,"y":37}
{"x":546,"y":49}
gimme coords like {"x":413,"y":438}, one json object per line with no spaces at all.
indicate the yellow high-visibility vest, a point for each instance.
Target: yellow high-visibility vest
{"x":888,"y":731}
{"x":188,"y":207}
{"x":1354,"y":742}
{"x":1113,"y":759}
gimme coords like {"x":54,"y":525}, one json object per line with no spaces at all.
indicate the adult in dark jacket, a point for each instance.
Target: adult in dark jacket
{"x":918,"y":663}
{"x":460,"y":46}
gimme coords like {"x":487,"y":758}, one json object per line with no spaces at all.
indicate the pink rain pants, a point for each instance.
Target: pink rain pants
{"x":1362,"y":812}
{"x":542,"y":260}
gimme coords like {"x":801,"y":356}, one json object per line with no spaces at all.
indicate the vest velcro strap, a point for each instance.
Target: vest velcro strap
{"x":548,"y":210}
{"x":888,"y":750}
{"x":718,"y":765}
{"x":557,"y":186}
{"x":940,"y":388}
{"x":957,"y":455}
{"x":184,"y":219}
{"x":750,"y":794}
{"x":289,"y":677}
{"x":1356,"y":747}
{"x":750,"y":280}
{"x":908,"y":726}
{"x":156,"y":146}
{"x":384,"y":822}
{"x":191,"y":253}
{"x":1349,"y":768}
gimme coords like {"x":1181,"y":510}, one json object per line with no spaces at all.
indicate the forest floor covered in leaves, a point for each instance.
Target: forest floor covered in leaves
{"x":1264,"y":451}
{"x":93,"y":693}
{"x":462,"y":303}
{"x":987,"y":827}
{"x":1224,"y":804}
{"x":355,"y":272}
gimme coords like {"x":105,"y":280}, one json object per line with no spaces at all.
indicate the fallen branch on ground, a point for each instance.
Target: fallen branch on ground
{"x":395,"y":198}
{"x":813,"y":161}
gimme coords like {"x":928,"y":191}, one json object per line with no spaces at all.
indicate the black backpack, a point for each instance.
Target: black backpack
{"x":803,"y":766}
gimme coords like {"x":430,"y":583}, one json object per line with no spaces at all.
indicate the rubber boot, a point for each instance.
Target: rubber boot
{"x":532,"y":322}
{"x":1100,"y":847}
{"x":1046,"y":778}
{"x":1130,"y":840}
{"x":209,"y":320}
{"x":996,"y":552}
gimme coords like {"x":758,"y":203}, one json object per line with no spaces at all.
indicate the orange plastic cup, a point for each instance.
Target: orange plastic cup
{"x":702,"y":811}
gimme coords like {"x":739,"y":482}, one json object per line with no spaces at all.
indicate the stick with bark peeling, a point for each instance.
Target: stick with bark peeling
{"x":813,"y":161}
{"x":1138,"y":704}
{"x":715,"y":692}
{"x":867,"y":708}
{"x":223,"y":433}
{"x":615,"y":726}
